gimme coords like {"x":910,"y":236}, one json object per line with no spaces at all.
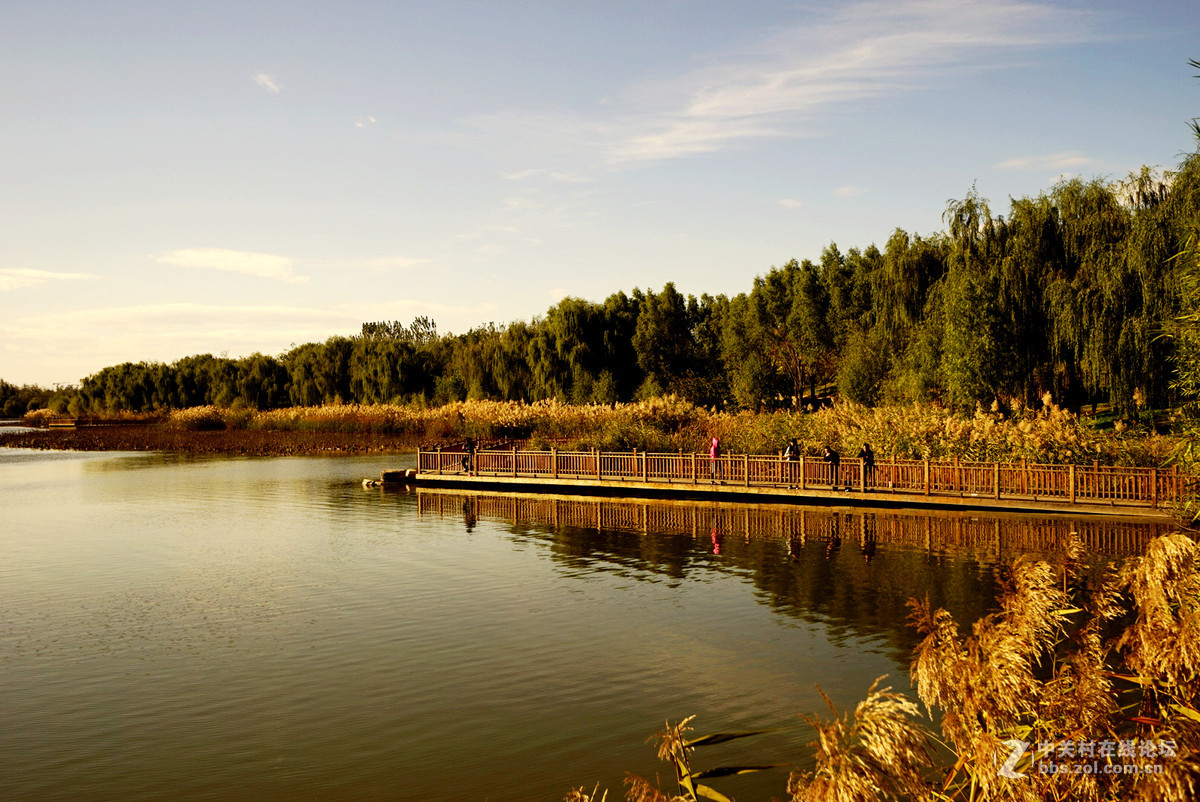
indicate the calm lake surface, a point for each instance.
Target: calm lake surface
{"x":225,"y":628}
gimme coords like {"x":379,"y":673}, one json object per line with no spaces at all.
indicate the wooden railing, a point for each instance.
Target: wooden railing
{"x":1067,"y":484}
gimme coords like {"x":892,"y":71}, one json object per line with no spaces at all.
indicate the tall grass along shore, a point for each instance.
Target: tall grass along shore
{"x":669,"y":424}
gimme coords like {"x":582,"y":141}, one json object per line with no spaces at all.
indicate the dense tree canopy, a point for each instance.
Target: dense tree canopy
{"x":1068,"y":292}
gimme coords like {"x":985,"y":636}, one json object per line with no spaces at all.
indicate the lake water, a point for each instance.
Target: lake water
{"x":223,"y":628}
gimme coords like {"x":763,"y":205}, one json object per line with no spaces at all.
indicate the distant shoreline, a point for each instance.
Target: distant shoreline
{"x":248,"y":442}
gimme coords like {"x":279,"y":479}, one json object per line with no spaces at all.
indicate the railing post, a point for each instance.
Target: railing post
{"x":927,"y":477}
{"x":995,"y":480}
{"x":645,"y":469}
{"x":514,"y":462}
{"x":862,"y":477}
{"x":1154,"y":487}
{"x":1071,"y":479}
{"x":746,"y":470}
{"x":596,"y":456}
{"x":693,"y":467}
{"x":803,"y":480}
{"x":554,"y":461}
{"x":439,"y":459}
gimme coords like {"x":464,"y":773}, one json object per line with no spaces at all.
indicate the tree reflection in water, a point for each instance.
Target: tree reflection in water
{"x":852,"y":569}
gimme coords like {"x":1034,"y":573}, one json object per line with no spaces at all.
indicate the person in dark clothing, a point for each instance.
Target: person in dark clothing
{"x":835,"y":460}
{"x":868,"y":464}
{"x":468,"y":460}
{"x":791,"y":455}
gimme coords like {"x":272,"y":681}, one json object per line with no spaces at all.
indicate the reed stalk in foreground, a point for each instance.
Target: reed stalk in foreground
{"x":1067,"y":692}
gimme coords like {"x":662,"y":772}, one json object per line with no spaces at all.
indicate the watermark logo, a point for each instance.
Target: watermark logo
{"x":1009,"y":767}
{"x":1087,"y":757}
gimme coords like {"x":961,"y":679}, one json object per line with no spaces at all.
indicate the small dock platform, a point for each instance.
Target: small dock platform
{"x":1025,"y":487}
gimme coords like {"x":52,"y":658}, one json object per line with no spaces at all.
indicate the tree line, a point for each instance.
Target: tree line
{"x":1069,"y":293}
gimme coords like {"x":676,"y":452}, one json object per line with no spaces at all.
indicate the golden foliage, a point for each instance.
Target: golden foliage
{"x":669,"y":423}
{"x":883,"y":753}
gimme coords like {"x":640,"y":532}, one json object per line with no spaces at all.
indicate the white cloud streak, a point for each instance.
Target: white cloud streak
{"x":1065,"y":161}
{"x":263,"y":265}
{"x":784,"y":85}
{"x":17,"y":278}
{"x":268,"y":83}
{"x":853,"y":53}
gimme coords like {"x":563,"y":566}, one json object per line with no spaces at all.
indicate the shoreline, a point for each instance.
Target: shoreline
{"x":245,"y":442}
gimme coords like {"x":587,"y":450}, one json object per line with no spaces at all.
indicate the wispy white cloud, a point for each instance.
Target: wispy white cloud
{"x":363,"y":122}
{"x":263,"y":265}
{"x":561,"y":176}
{"x":18,"y":277}
{"x":268,"y":82}
{"x":784,"y":84}
{"x":852,"y":53}
{"x":790,"y":203}
{"x":1066,"y":161}
{"x":848,"y":192}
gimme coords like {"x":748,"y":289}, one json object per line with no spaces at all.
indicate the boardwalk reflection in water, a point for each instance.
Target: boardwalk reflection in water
{"x":852,"y":569}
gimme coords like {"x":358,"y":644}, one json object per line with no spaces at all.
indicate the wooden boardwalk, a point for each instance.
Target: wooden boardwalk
{"x":1095,"y":489}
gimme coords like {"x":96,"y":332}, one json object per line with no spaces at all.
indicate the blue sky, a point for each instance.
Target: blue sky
{"x":231,"y":177}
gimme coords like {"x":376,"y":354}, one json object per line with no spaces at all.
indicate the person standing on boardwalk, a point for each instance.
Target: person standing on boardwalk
{"x":791,"y":454}
{"x":469,"y":458}
{"x":868,"y":464}
{"x":835,"y":460}
{"x":714,"y":457}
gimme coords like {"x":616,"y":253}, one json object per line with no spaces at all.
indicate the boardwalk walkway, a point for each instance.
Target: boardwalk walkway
{"x":998,"y":485}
